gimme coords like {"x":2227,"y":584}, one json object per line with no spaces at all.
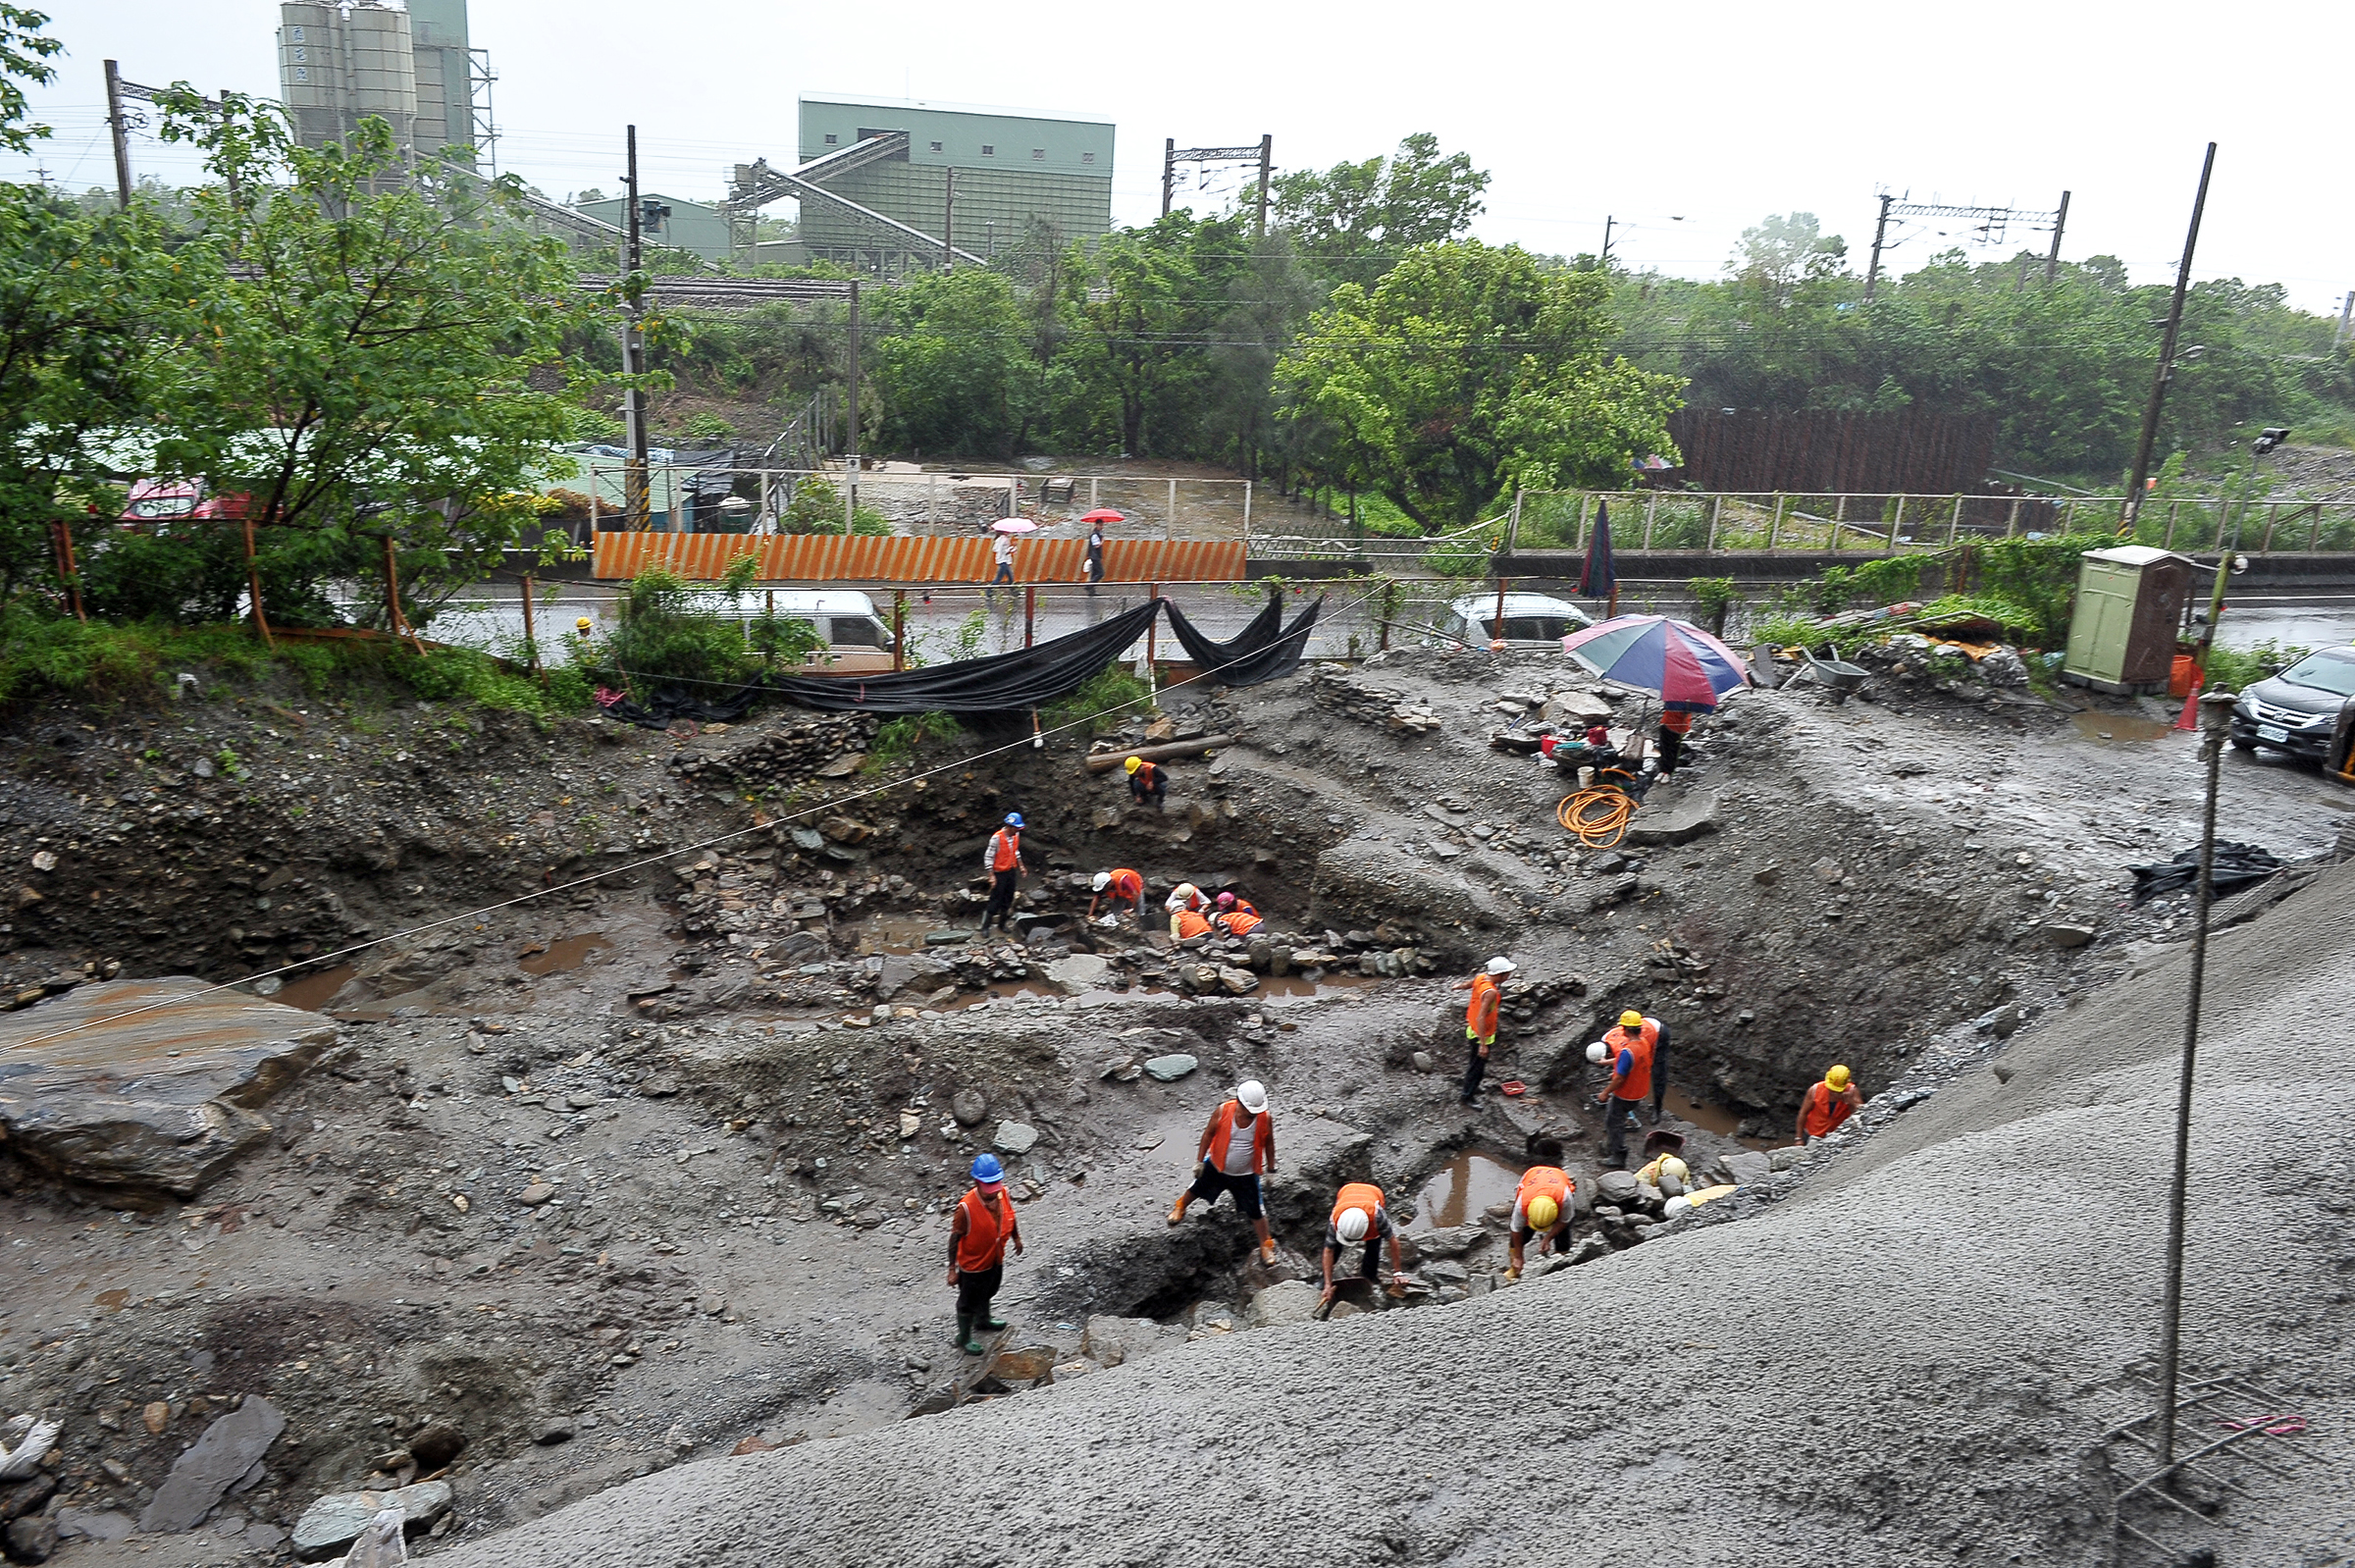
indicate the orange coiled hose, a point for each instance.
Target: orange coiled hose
{"x":1597,"y":816}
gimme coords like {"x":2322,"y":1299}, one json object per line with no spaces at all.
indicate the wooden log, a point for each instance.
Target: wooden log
{"x":1106,"y":761}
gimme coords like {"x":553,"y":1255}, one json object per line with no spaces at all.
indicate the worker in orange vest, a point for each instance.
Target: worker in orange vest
{"x":1542,"y":1205}
{"x":1826,"y":1105}
{"x":1480,"y":1020}
{"x":1185,"y":924}
{"x":1002,"y":861}
{"x":1147,"y":781}
{"x":1358,"y":1216}
{"x":1236,"y":917}
{"x":1635,"y":1051}
{"x":979,"y":1228}
{"x":1118,"y":884}
{"x":1674,"y":727}
{"x":1239,"y":1147}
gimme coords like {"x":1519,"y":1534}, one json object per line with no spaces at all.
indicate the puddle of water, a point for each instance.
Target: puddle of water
{"x":1462,"y":1191}
{"x":1334,"y":982}
{"x":568,"y":954}
{"x":2114,"y":729}
{"x":313,"y":991}
{"x":1711,"y":1118}
{"x":895,"y":934}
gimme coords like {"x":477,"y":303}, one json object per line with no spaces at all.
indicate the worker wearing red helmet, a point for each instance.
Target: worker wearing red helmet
{"x":1236,"y":917}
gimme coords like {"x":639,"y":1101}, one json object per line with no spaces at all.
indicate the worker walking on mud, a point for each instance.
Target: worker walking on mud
{"x":1002,"y":862}
{"x":1480,"y":1020}
{"x":1635,"y":1051}
{"x":1358,"y":1216}
{"x":1147,"y":782}
{"x":1119,"y":885}
{"x":1826,"y":1105}
{"x":1542,"y":1205}
{"x":979,"y":1228}
{"x":1239,"y":1147}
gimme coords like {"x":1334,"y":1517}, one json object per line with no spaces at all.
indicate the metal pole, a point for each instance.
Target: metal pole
{"x":1247,"y":508}
{"x":1168,"y":172}
{"x":899,"y":628}
{"x":531,"y":644}
{"x":1030,"y":616}
{"x":2167,"y":359}
{"x":633,"y":476}
{"x":2216,"y":722}
{"x":1267,"y":159}
{"x":2051,"y":260}
{"x":253,"y":581}
{"x":68,"y":571}
{"x":1880,"y":228}
{"x":1152,"y":645}
{"x":850,"y":461}
{"x":2346,"y":317}
{"x":1171,"y":519}
{"x":1500,"y":632}
{"x":948,"y":224}
{"x":114,"y":123}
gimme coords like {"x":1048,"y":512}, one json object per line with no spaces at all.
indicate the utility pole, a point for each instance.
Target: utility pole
{"x":2051,"y":260}
{"x":2346,"y":318}
{"x":1606,"y":242}
{"x":850,"y":457}
{"x":2166,"y":360}
{"x":948,"y":224}
{"x":114,"y":123}
{"x":1267,"y":163}
{"x":633,"y":362}
{"x":1880,"y":231}
{"x":1168,"y":172}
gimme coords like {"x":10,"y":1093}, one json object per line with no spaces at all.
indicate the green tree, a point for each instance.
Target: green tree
{"x":953,"y":365}
{"x":1468,"y":369}
{"x":1352,"y":223}
{"x":25,"y":56}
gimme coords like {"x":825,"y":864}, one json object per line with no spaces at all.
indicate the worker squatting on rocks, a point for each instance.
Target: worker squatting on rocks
{"x":1826,"y":1105}
{"x":1239,"y":1147}
{"x":1236,"y":917}
{"x":1359,"y":1215}
{"x":1186,"y":905}
{"x":1147,"y":781}
{"x":983,"y":1222}
{"x":1637,"y":1052}
{"x":1480,"y":1020}
{"x":1119,"y":885}
{"x":1002,"y":861}
{"x":1541,"y":1205}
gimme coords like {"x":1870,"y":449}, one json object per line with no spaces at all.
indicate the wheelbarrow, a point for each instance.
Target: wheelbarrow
{"x":1836,"y":675}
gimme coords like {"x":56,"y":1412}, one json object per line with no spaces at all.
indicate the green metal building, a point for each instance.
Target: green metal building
{"x":1009,"y":169}
{"x":694,"y":226}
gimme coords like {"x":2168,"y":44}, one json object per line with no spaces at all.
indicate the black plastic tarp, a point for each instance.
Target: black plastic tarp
{"x":2238,"y":865}
{"x":1264,"y":650}
{"x":1027,"y":677}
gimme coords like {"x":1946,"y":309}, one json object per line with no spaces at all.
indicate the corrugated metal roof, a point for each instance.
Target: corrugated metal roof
{"x":833,"y":559}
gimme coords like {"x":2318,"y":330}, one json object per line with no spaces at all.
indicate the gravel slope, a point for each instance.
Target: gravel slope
{"x":1904,"y":1363}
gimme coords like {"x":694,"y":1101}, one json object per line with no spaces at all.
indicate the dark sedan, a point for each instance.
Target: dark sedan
{"x":2296,"y":710}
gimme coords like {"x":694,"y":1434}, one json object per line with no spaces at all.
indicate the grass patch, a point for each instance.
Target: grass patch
{"x":1110,"y":698}
{"x":2236,"y":667}
{"x":897,"y":739}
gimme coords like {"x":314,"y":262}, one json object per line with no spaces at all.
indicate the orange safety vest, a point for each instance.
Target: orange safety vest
{"x":1480,"y":1013}
{"x":1544,"y":1182}
{"x":1145,"y":774}
{"x":1825,"y":1109}
{"x":1124,"y":884}
{"x":1680,"y":723}
{"x":1242,"y":921}
{"x":1222,"y":1128}
{"x":1009,"y":849}
{"x":987,"y":1229}
{"x":1186,"y":923}
{"x":1359,"y":1195}
{"x":1640,"y":1045}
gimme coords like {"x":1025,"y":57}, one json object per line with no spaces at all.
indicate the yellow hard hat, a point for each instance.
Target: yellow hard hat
{"x":1542,"y":1212}
{"x":1837,"y":1077}
{"x":581,"y":624}
{"x":1675,"y":1169}
{"x":1631,"y":1019}
{"x":1133,"y":763}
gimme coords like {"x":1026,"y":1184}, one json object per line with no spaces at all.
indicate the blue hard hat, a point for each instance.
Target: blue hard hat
{"x":1014,"y":820}
{"x":987,"y":1169}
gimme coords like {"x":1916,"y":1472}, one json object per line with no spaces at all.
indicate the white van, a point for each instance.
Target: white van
{"x":858,"y":638}
{"x":1531,"y":620}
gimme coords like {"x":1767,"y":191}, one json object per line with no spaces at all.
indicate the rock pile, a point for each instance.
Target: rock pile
{"x":822,"y":744}
{"x":1334,"y":686}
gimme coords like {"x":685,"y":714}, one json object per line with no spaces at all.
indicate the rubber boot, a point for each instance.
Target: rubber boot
{"x":992,"y":1323}
{"x":965,"y":1336}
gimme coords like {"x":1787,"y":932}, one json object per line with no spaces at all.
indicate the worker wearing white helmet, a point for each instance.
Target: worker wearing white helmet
{"x":1119,"y":885}
{"x":1358,"y":1216}
{"x":1237,"y":1148}
{"x":1480,"y":1020}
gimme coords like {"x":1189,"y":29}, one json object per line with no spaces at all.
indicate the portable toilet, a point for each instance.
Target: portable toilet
{"x":2129,"y":614}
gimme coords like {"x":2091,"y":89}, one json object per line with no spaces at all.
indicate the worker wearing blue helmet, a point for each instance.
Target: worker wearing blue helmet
{"x":1002,"y":864}
{"x":981,"y":1225}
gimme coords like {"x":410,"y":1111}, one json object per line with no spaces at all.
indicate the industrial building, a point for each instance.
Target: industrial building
{"x":337,"y":64}
{"x":699,"y":227}
{"x":974,"y":178}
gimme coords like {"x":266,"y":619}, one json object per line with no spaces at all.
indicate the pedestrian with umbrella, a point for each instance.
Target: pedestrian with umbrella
{"x":1093,"y":571}
{"x":1001,"y":551}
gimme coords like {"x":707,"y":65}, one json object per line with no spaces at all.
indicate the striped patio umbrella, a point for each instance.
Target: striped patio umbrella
{"x":1687,"y":667}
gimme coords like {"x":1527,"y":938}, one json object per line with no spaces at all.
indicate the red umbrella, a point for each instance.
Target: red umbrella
{"x":1103,"y":514}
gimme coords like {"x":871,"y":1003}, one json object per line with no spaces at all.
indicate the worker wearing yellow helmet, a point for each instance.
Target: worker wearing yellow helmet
{"x":1826,"y":1105}
{"x":1635,"y":1051}
{"x":1359,"y":1215}
{"x":1146,"y":781}
{"x":1541,"y":1204}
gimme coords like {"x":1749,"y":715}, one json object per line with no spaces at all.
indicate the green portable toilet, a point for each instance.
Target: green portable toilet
{"x":2129,"y":614}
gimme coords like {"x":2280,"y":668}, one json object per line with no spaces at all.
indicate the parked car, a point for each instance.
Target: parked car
{"x":155,"y":505}
{"x":2295,"y":711}
{"x":858,"y":638}
{"x":1531,"y":620}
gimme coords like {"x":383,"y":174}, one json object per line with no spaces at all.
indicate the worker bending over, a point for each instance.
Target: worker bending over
{"x":1826,"y":1105}
{"x":1358,"y":1216}
{"x":1480,"y":1020}
{"x":1002,"y":861}
{"x":1147,"y":781}
{"x":1239,"y":1147}
{"x":1120,"y":884}
{"x":1185,"y":924}
{"x":1637,"y":1052}
{"x":1541,"y":1205}
{"x":1236,"y":917}
{"x":979,"y":1228}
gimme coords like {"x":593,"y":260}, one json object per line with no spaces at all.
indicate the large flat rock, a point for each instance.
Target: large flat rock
{"x":164,"y":1098}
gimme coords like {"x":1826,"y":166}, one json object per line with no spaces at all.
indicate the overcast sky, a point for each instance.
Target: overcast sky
{"x":1687,"y":122}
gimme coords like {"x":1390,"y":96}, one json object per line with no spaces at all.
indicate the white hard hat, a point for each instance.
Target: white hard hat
{"x":1675,"y":1206}
{"x":1596,"y":1050}
{"x":1352,"y":1225}
{"x":1103,"y":880}
{"x":1502,"y":965}
{"x":1253,"y":1095}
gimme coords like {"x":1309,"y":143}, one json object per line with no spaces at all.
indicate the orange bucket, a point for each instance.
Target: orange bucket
{"x":2185,"y":678}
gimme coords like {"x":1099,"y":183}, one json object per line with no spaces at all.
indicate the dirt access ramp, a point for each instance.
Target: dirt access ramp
{"x":1913,"y":1361}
